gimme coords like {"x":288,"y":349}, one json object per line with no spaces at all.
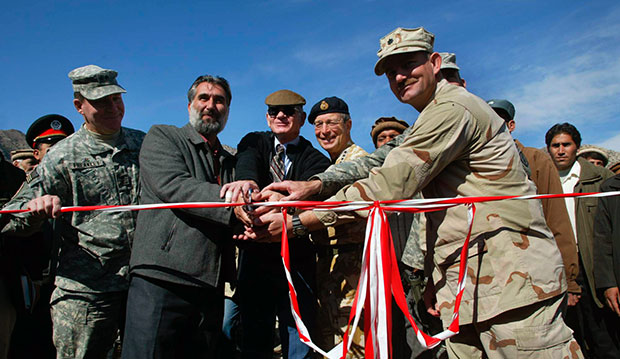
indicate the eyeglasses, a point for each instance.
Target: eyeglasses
{"x":286,"y":110}
{"x":328,"y":123}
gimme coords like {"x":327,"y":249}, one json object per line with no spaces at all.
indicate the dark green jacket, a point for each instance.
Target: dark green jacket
{"x":607,"y":237}
{"x":590,"y":180}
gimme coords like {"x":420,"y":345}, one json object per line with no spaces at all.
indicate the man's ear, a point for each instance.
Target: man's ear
{"x":37,"y":154}
{"x":464,"y":82}
{"x":302,"y":116}
{"x":348,"y":124}
{"x":511,"y":125}
{"x":78,"y":106}
{"x":435,"y":60}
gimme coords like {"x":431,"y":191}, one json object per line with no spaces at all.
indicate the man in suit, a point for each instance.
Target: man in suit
{"x":263,"y":158}
{"x":179,"y":258}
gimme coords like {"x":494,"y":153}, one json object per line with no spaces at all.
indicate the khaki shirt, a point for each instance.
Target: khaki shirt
{"x":459,"y":147}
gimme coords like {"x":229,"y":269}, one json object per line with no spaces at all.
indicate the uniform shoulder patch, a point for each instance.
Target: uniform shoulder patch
{"x":34,"y":174}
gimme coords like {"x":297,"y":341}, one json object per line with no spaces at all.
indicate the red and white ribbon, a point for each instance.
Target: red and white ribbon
{"x":379,"y":277}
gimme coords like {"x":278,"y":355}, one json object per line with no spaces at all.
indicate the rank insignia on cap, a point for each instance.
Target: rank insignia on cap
{"x":324,"y":105}
{"x":56,"y":125}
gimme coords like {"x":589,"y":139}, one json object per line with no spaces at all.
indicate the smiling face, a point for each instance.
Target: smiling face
{"x":563,"y":151}
{"x":412,"y":77}
{"x":285,"y":122}
{"x":103,"y":116}
{"x":333,"y":133}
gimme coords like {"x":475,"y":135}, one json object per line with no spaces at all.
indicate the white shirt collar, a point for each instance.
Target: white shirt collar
{"x":574,"y":172}
{"x":293,"y":142}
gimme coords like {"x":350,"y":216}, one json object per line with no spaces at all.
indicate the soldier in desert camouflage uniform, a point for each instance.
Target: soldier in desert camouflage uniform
{"x":459,"y":147}
{"x":339,"y":248}
{"x":97,"y":165}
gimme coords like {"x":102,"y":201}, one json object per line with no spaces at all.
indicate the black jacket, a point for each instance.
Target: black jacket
{"x":607,"y":237}
{"x":254,"y":154}
{"x":184,"y":246}
{"x":256,"y":149}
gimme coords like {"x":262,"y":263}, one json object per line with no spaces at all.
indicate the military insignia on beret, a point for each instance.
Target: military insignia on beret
{"x":324,"y":106}
{"x":390,"y":41}
{"x":56,"y":125}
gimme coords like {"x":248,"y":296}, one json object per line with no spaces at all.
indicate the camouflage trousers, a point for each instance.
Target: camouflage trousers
{"x":533,"y":331}
{"x":337,"y":277}
{"x":86,"y":324}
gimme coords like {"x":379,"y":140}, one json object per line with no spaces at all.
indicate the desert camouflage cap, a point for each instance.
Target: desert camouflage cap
{"x":403,"y":40}
{"x":505,"y":105}
{"x":285,"y":98}
{"x":448,"y":61}
{"x":94,"y":82}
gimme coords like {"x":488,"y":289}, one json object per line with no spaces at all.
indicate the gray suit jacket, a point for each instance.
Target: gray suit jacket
{"x":183,"y":246}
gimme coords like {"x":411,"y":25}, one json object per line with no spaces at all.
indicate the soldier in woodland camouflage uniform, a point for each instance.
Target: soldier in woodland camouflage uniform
{"x":459,"y":147}
{"x":97,"y":165}
{"x":339,"y":248}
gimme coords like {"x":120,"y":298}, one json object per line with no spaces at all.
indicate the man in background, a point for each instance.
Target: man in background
{"x":589,"y":319}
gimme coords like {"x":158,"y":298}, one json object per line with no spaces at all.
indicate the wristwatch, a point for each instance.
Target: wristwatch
{"x":299,"y":229}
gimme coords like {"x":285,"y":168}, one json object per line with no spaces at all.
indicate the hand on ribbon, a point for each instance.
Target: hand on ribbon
{"x":297,"y":190}
{"x":45,"y":206}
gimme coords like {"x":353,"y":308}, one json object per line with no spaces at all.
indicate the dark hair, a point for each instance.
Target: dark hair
{"x":452,"y":75}
{"x":566,"y":128}
{"x":216,"y":80}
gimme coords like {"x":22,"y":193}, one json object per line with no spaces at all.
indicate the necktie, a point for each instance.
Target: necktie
{"x":277,"y":164}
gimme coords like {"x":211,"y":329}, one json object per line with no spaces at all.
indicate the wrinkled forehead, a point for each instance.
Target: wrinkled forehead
{"x":406,"y":59}
{"x":332,"y":116}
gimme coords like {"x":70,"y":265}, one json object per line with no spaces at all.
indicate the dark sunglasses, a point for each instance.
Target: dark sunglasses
{"x":287,"y":110}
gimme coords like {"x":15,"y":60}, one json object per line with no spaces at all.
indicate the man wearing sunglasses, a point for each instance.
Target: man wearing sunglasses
{"x":264,"y":158}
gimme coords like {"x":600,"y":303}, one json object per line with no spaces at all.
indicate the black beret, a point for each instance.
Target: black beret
{"x":48,"y":127}
{"x":328,"y":105}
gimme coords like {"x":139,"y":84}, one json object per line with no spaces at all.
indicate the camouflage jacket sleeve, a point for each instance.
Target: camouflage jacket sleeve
{"x":36,"y":186}
{"x":21,"y":224}
{"x":440,"y":135}
{"x":342,"y":174}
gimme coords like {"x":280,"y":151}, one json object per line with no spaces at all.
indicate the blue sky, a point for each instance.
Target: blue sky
{"x":555,"y":60}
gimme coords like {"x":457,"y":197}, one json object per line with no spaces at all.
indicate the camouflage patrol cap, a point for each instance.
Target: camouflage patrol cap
{"x":22,"y":154}
{"x":403,"y":40}
{"x":504,"y":105}
{"x":285,"y":98}
{"x":93,"y":82}
{"x":448,"y":61}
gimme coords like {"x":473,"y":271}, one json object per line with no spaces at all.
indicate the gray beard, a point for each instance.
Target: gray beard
{"x":206,"y":128}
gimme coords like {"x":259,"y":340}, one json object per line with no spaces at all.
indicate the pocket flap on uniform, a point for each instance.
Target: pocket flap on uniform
{"x":544,"y":336}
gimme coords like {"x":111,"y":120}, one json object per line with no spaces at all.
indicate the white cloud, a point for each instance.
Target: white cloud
{"x":612,"y":143}
{"x":575,"y":79}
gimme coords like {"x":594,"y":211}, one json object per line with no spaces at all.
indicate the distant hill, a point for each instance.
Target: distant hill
{"x":11,"y":140}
